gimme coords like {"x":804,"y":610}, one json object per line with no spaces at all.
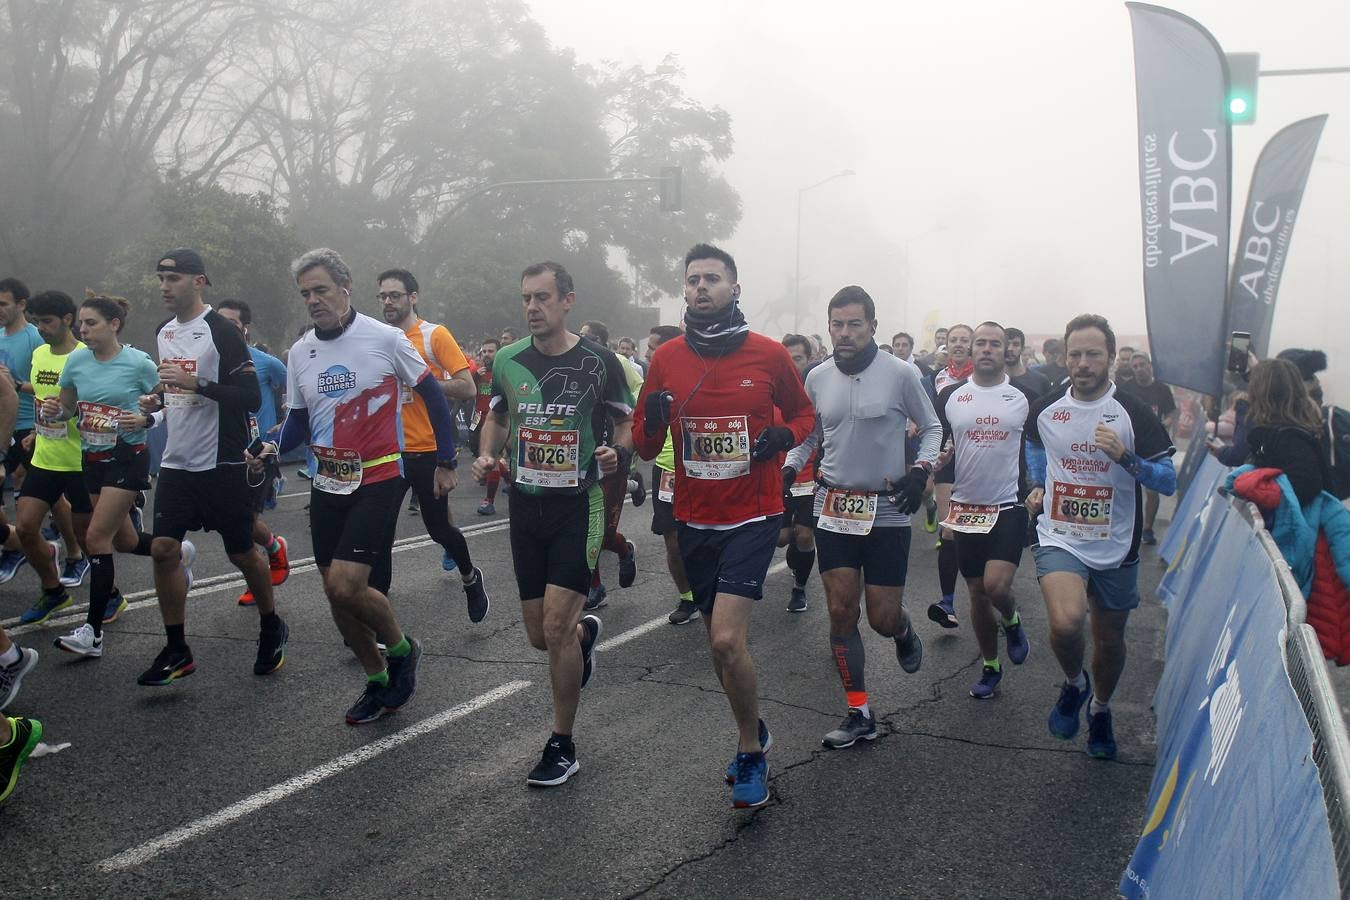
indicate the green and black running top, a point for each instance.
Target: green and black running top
{"x":558,"y":410}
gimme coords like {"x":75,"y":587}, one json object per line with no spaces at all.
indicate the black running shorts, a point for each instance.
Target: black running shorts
{"x":731,"y":561}
{"x":216,"y":499}
{"x":358,"y":527}
{"x":882,"y":554}
{"x":50,"y":486}
{"x":129,"y":469}
{"x":1003,"y":544}
{"x":556,"y":540}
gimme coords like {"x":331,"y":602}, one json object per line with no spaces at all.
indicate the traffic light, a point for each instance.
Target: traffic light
{"x":671,"y":189}
{"x":1243,"y":74}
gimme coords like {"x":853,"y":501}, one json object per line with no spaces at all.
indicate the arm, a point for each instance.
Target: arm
{"x":1155,"y":474}
{"x":1035,"y":465}
{"x":800,"y":455}
{"x":294,"y":431}
{"x":237,"y":390}
{"x":925,"y":416}
{"x":460,"y":386}
{"x":646,"y":445}
{"x":442,"y":420}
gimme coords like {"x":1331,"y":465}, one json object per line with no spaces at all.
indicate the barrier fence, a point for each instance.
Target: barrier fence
{"x":1253,"y":766}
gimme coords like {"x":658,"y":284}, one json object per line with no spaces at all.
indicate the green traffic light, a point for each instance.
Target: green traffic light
{"x":1237,"y":106}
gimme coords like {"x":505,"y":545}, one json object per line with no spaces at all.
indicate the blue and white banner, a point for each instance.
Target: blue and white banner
{"x":1208,"y":475}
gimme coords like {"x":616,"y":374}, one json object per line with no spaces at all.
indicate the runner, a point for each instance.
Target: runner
{"x":864,"y":402}
{"x":18,"y":339}
{"x":984,"y":418}
{"x":482,"y":376}
{"x":555,"y":397}
{"x":1089,"y":449}
{"x":799,"y":498}
{"x":718,"y":386}
{"x":18,"y":736}
{"x":1030,"y":382}
{"x":343,"y":387}
{"x":209,"y":387}
{"x":100,"y":383}
{"x":1157,"y":397}
{"x":958,"y":368}
{"x":614,"y":487}
{"x":398,"y":293}
{"x":264,"y":424}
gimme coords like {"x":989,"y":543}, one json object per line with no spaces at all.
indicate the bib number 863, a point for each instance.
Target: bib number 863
{"x":717,"y":444}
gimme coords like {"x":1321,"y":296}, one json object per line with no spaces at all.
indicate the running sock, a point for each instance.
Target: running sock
{"x":143,"y":542}
{"x":402,"y":648}
{"x":849,"y":658}
{"x":947,"y":569}
{"x":494,"y":480}
{"x":564,"y":741}
{"x":101,"y":583}
{"x":381,"y":678}
{"x":801,"y":562}
{"x":993,"y":664}
{"x":177,"y":639}
{"x":1080,"y":682}
{"x":1095,"y":708}
{"x":10,"y":656}
{"x":270,"y":622}
{"x":1015,"y":620}
{"x":617,"y":543}
{"x":595,"y":578}
{"x":687,"y":596}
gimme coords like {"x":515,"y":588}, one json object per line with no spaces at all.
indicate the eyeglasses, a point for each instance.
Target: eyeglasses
{"x":386,"y":296}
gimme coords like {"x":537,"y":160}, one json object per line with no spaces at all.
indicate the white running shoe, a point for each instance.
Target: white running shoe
{"x":82,"y":642}
{"x":189,"y":553}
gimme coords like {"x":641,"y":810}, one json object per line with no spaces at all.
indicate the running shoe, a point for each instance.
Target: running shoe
{"x":49,"y":532}
{"x":797,"y":603}
{"x":989,"y":679}
{"x":10,"y":563}
{"x":855,"y":727}
{"x":1101,"y":743}
{"x":414,"y":509}
{"x":117,"y":604}
{"x":403,"y":677}
{"x":44,"y":606}
{"x":487,"y":508}
{"x":448,"y":562}
{"x":168,"y":667}
{"x":930,"y":522}
{"x":628,"y":565}
{"x":909,"y":650}
{"x":189,"y":555}
{"x":1147,"y":537}
{"x":369,"y":706}
{"x":137,"y":519}
{"x":637,"y":488}
{"x":280,"y":562}
{"x":247,"y":599}
{"x":271,"y":650}
{"x":765,"y":742}
{"x":11,"y":676}
{"x":684,"y":613}
{"x":303,"y":473}
{"x":751,"y":787}
{"x":477,"y":597}
{"x":1018,"y":644}
{"x":592,"y":626}
{"x":1068,"y":709}
{"x":23,"y":740}
{"x":82,"y":642}
{"x":596,"y":598}
{"x":555,"y":766}
{"x":74,"y":571}
{"x":943,"y":612}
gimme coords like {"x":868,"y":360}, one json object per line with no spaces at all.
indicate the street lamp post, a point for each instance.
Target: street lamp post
{"x":797,"y":278}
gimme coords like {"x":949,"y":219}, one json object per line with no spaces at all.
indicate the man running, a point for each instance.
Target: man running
{"x":799,"y":498}
{"x":398,"y":294}
{"x":342,"y":392}
{"x":555,"y":398}
{"x":1157,"y":397}
{"x":209,"y":388}
{"x":1031,"y":382}
{"x":1090,"y":448}
{"x":482,"y":377}
{"x":958,"y":368}
{"x":984,"y":418}
{"x":717,"y":388}
{"x":264,"y":423}
{"x":864,"y":402}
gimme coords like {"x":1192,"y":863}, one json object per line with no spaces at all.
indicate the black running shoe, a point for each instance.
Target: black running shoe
{"x":593,"y":626}
{"x":555,"y":767}
{"x":628,"y":566}
{"x":909,"y":650}
{"x":596,"y":598}
{"x":638,"y":491}
{"x":403,"y":676}
{"x":271,"y":650}
{"x":477,"y":597}
{"x":168,"y":667}
{"x":797,"y":603}
{"x":369,"y":706}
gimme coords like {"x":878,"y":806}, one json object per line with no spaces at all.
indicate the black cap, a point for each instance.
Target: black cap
{"x":184,"y":260}
{"x":1308,"y":362}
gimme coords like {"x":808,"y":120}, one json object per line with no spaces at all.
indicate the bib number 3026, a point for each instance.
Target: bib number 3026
{"x":548,"y":458}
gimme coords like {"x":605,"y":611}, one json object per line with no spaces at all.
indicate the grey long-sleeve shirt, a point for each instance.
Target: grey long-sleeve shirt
{"x":861,"y":422}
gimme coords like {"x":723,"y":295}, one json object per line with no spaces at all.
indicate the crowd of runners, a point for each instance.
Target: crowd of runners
{"x":750,"y":444}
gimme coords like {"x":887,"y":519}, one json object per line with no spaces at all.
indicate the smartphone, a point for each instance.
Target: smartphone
{"x":255,"y":448}
{"x":1239,"y":347}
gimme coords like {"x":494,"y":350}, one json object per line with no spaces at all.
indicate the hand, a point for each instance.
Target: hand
{"x":771,"y":441}
{"x":178,"y":377}
{"x":51,"y":409}
{"x":481,"y":467}
{"x":256,"y":463}
{"x":445,"y":482}
{"x":658,"y":413}
{"x":912,"y":429}
{"x":1035,"y":499}
{"x":944,"y":457}
{"x":27,"y":443}
{"x":908,"y":494}
{"x":789,"y":477}
{"x":608,"y":460}
{"x":1107,"y":441}
{"x":130,"y":421}
{"x":150,"y":403}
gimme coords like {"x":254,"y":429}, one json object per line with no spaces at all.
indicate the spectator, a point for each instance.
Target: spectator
{"x":1285,"y":428}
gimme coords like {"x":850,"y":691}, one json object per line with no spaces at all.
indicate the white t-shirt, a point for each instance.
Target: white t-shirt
{"x":986,"y":426}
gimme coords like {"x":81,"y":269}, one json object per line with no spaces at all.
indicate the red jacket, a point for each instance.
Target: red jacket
{"x":740,"y":391}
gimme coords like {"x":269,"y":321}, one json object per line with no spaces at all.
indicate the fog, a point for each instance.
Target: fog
{"x":994,"y":147}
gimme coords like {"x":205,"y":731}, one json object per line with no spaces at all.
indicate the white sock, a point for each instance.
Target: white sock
{"x":10,"y":656}
{"x":1080,"y":682}
{"x":1095,"y":707}
{"x":865,"y":709}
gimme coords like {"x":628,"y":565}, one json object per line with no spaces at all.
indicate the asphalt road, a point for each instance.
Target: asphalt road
{"x":230,"y":784}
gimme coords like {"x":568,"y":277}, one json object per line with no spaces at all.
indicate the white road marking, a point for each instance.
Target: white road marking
{"x":249,"y":805}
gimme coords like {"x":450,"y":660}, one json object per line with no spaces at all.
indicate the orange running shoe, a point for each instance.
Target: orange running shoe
{"x":247,"y":599}
{"x":279,"y":562}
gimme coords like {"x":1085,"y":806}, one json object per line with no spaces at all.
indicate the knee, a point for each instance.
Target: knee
{"x":843,"y":617}
{"x":342,"y":592}
{"x":165,"y":552}
{"x":726,"y":645}
{"x":884,"y":622}
{"x":536,"y":638}
{"x":558,"y":630}
{"x":28,"y":530}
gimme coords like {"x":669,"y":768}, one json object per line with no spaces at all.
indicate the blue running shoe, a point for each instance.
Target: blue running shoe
{"x":1018,"y":645}
{"x":1101,"y":742}
{"x":989,"y":679}
{"x":10,"y":563}
{"x":43,"y":608}
{"x":137,"y":519}
{"x":765,"y":742}
{"x":117,"y":604}
{"x":751,"y":788}
{"x":1068,"y":710}
{"x":49,"y":532}
{"x":448,"y":562}
{"x":487,"y":509}
{"x":403,"y":677}
{"x":74,"y":571}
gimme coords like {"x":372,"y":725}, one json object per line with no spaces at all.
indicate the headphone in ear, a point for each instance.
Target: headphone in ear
{"x":347,"y":292}
{"x":736,"y":292}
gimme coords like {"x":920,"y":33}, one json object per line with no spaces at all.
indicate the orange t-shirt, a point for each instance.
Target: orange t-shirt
{"x":443,"y":357}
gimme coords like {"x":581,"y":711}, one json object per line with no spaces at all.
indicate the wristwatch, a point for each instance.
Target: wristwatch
{"x":450,"y":464}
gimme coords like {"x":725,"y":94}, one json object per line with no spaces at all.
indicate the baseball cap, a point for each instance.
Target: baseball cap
{"x":1308,"y":362}
{"x":184,"y":260}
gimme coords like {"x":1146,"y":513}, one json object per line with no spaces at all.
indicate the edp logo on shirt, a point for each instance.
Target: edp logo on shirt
{"x":336,"y":381}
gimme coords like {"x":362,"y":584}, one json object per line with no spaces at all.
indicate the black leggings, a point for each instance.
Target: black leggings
{"x":420,"y":471}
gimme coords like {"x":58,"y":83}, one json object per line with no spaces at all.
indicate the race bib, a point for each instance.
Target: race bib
{"x":476,"y":420}
{"x":665,"y":488}
{"x":177,"y":398}
{"x":970,"y":518}
{"x":716,"y":448}
{"x":253,"y":432}
{"x":405,"y":394}
{"x":802,"y":489}
{"x":98,"y":424}
{"x":848,"y":512}
{"x":548,"y":458}
{"x":336,"y":471}
{"x":52,"y":431}
{"x":1081,"y":511}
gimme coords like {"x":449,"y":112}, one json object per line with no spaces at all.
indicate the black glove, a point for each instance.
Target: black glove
{"x":771,"y":441}
{"x":789,"y":478}
{"x":909,"y":492}
{"x":657,"y":415}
